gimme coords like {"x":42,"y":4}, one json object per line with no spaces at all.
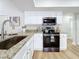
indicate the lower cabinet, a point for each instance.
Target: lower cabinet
{"x":29,"y":54}
{"x":22,"y":53}
{"x":25,"y":55}
{"x":26,"y":52}
{"x":38,"y":41}
{"x":63,"y":42}
{"x":30,"y":50}
{"x":34,"y":43}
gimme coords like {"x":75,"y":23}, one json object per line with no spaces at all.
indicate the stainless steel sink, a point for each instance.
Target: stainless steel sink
{"x":11,"y":42}
{"x":12,"y":34}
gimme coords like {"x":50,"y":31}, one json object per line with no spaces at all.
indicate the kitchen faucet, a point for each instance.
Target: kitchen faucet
{"x":2,"y":30}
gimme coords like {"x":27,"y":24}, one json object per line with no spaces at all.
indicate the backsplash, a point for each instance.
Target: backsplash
{"x":8,"y":28}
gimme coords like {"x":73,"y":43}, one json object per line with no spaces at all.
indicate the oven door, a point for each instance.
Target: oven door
{"x":46,"y":40}
{"x":50,"y":43}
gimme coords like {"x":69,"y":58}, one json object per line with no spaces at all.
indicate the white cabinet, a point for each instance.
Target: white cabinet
{"x":59,"y":17}
{"x":21,"y":53}
{"x":38,"y":41}
{"x":26,"y":51}
{"x":29,"y":55}
{"x":34,"y":43}
{"x":25,"y":54}
{"x":35,"y":17}
{"x":30,"y":49}
{"x":63,"y":41}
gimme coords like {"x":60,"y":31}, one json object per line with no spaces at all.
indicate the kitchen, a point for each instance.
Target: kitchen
{"x":30,"y":30}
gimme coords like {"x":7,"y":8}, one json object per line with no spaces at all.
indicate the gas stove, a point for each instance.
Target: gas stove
{"x":50,"y":37}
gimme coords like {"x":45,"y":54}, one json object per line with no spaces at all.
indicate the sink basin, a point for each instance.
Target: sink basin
{"x":12,"y":34}
{"x":11,"y":42}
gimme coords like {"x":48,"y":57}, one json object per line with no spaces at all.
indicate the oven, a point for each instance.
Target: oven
{"x":50,"y":37}
{"x":51,"y":42}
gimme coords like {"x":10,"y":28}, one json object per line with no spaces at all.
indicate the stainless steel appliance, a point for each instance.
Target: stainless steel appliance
{"x":50,"y":37}
{"x":49,"y":20}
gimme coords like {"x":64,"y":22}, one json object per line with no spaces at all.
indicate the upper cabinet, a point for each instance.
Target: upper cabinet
{"x":59,"y":17}
{"x":35,"y":17}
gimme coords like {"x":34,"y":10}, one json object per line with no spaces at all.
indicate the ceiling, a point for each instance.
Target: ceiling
{"x":29,"y":5}
{"x":56,"y":3}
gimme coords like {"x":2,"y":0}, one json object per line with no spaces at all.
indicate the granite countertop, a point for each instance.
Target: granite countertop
{"x":8,"y":54}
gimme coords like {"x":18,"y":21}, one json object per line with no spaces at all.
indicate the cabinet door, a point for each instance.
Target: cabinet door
{"x":59,"y":17}
{"x":25,"y":51}
{"x":25,"y":56}
{"x":32,"y":47}
{"x":63,"y":41}
{"x":29,"y":53}
{"x":38,"y":41}
{"x":21,"y":53}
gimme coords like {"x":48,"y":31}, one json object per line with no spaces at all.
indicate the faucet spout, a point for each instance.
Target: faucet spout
{"x":2,"y":30}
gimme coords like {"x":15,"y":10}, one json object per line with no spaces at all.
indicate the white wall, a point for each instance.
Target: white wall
{"x":77,"y":29}
{"x":68,"y":24}
{"x":71,"y":27}
{"x":35,"y":17}
{"x":7,"y":8}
